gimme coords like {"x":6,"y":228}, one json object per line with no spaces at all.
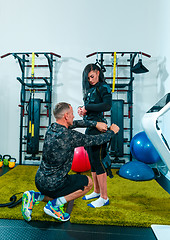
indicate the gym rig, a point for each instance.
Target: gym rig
{"x":31,"y":111}
{"x":119,"y":68}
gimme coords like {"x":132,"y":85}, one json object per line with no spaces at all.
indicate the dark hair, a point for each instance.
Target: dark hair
{"x":60,"y":109}
{"x":85,"y":83}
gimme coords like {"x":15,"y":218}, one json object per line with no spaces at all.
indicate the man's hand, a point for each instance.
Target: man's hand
{"x":114,"y":128}
{"x":101,"y":126}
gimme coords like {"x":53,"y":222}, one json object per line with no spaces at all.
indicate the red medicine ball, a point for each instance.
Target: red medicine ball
{"x":80,"y":160}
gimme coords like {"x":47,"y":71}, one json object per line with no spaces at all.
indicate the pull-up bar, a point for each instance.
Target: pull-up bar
{"x":22,"y":60}
{"x":122,"y":53}
{"x":29,"y":53}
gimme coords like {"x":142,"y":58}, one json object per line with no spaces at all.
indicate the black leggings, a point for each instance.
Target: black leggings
{"x":96,"y":153}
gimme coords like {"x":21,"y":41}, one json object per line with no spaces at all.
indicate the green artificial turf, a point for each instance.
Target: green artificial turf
{"x":20,"y":179}
{"x":138,"y":204}
{"x":131,"y":203}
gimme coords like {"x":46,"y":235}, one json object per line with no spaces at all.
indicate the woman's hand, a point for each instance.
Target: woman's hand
{"x":101,"y":126}
{"x":81,"y":111}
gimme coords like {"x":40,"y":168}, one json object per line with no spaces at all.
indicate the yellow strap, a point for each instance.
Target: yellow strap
{"x":32,"y":132}
{"x":30,"y":126}
{"x":33,"y":62}
{"x":114,"y":72}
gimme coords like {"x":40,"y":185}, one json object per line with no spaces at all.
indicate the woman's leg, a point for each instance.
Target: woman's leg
{"x":96,"y":192}
{"x":99,"y":175}
{"x":96,"y":183}
{"x":103,"y":199}
{"x":100,"y":186}
{"x":102,"y":183}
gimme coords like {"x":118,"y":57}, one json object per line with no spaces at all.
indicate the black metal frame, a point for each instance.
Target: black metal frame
{"x":120,"y":86}
{"x":45,"y":86}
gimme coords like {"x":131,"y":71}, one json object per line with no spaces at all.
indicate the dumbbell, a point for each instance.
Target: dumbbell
{"x":1,"y":161}
{"x":6,"y":159}
{"x":12,"y":162}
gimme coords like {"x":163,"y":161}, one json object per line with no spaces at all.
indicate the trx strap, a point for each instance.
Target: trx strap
{"x":33,"y":62}
{"x":31,"y":121}
{"x":32,"y":127}
{"x":30,"y":112}
{"x":114,"y":72}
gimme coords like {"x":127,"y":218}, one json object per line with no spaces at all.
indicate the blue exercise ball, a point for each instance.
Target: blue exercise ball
{"x":143,"y":150}
{"x":136,"y":171}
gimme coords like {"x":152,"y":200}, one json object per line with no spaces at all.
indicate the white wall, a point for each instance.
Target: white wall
{"x":73,"y":29}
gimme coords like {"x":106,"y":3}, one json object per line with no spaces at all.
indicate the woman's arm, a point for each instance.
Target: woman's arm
{"x":106,"y":100}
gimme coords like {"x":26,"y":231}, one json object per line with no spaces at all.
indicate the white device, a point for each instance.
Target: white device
{"x":154,"y":132}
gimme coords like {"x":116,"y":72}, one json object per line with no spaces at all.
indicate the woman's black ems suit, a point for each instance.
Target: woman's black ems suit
{"x":97,"y":101}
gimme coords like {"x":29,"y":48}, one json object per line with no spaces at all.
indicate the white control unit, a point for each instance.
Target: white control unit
{"x":154,"y":132}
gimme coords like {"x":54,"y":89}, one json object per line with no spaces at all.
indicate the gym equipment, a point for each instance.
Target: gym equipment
{"x":107,"y":164}
{"x":80,"y":160}
{"x":1,"y":161}
{"x":139,"y":68}
{"x":114,"y":72}
{"x":15,"y":203}
{"x":143,"y":150}
{"x":33,"y":126}
{"x":136,"y":171}
{"x":36,"y":92}
{"x":100,"y":65}
{"x":6,"y":159}
{"x":12,"y":202}
{"x":12,"y":162}
{"x":117,"y":144}
{"x":117,"y":118}
{"x":161,"y":232}
{"x":150,"y":123}
{"x":120,"y":77}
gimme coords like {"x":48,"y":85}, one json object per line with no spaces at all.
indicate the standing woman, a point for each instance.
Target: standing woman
{"x":97,"y":99}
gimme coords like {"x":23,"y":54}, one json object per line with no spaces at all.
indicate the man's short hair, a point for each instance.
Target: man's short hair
{"x":60,"y":109}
